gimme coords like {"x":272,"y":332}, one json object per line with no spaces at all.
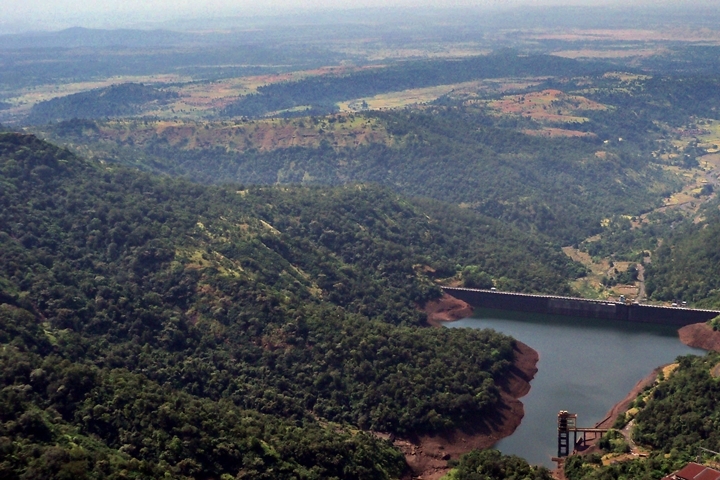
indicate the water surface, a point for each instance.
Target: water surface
{"x":586,"y":366}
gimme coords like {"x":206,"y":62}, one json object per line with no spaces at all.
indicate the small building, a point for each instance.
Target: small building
{"x":694,"y":471}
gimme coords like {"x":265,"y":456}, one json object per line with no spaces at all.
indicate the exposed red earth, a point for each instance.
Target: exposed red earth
{"x":427,"y":456}
{"x":700,"y":335}
{"x":446,"y":309}
{"x":697,"y":335}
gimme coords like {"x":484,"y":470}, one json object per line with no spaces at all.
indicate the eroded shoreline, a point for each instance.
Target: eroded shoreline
{"x":427,"y":455}
{"x":697,"y":335}
{"x":700,"y":335}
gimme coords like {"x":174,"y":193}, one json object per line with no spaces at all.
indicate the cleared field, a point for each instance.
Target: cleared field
{"x":405,"y":98}
{"x":619,"y":53}
{"x":591,"y":285}
{"x":694,"y":193}
{"x":373,"y":52}
{"x":547,"y":105}
{"x":680,"y":198}
{"x":710,"y":162}
{"x":626,"y":77}
{"x":711,"y":140}
{"x":588,"y":286}
{"x":420,"y":96}
{"x":630,"y":35}
{"x":211,"y":95}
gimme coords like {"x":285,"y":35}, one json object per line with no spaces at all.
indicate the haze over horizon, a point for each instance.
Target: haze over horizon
{"x":19,"y":16}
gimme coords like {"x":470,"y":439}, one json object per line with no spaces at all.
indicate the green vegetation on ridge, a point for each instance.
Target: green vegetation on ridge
{"x":459,"y":155}
{"x":322,"y":93}
{"x":63,"y":419}
{"x":492,"y":465}
{"x":126,"y":296}
{"x":685,"y":266}
{"x":675,"y":417}
{"x":114,"y":101}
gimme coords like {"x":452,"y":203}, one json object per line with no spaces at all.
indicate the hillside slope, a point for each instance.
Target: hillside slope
{"x":114,"y":101}
{"x":562,"y":187}
{"x":685,"y":266}
{"x":161,"y":327}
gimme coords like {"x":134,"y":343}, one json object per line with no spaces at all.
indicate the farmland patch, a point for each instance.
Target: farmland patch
{"x":547,"y":105}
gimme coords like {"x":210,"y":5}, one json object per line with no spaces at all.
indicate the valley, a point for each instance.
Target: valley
{"x":222,"y":247}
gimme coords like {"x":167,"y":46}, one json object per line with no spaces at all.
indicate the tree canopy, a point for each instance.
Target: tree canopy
{"x":143,"y":316}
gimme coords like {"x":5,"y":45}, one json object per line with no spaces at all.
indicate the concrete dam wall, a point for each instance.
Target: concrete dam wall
{"x":580,"y":307}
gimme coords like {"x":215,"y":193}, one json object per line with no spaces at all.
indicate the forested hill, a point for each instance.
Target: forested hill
{"x":321,"y":93}
{"x":152,"y":326}
{"x":562,"y":187}
{"x":686,"y":265}
{"x":114,"y":101}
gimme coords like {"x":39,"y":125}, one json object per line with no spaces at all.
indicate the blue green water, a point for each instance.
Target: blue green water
{"x":586,"y":366}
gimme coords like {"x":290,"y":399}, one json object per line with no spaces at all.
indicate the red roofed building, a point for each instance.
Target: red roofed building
{"x":695,"y":471}
{"x":708,"y":474}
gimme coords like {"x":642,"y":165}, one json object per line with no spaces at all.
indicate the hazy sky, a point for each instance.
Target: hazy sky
{"x":13,"y":10}
{"x":109,"y":13}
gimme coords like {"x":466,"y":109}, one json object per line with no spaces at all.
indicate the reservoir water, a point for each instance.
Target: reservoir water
{"x":586,"y":366}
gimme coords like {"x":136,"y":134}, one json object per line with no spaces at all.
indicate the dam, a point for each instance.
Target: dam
{"x":581,"y":307}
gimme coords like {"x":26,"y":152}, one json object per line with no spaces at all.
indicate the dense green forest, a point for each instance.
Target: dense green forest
{"x":676,"y":417}
{"x":453,"y":154}
{"x":492,"y":465}
{"x":685,"y":265}
{"x":645,"y":103}
{"x":114,"y":101}
{"x":691,"y":59}
{"x":321,"y":93}
{"x":286,"y":307}
{"x":620,"y":240}
{"x":65,"y":418}
{"x":207,"y":309}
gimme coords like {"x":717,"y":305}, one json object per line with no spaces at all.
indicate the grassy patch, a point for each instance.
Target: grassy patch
{"x":591,"y":286}
{"x":405,"y":98}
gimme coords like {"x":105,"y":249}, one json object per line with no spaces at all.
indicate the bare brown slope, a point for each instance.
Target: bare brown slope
{"x":700,"y":335}
{"x":446,"y":309}
{"x":427,"y":455}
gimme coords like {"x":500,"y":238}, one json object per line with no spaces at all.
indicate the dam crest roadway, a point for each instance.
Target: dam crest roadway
{"x":581,"y":307}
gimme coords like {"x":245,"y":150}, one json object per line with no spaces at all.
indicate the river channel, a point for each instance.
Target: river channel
{"x":586,"y":366}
